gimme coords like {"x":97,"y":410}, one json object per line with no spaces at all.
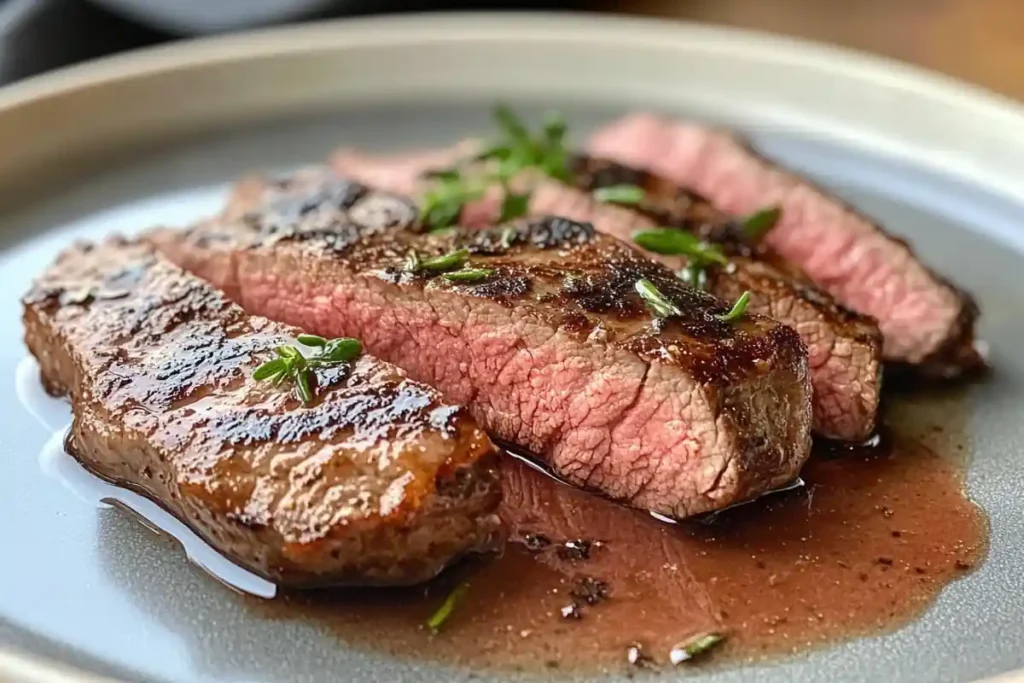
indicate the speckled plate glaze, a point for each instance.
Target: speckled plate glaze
{"x":152,"y":137}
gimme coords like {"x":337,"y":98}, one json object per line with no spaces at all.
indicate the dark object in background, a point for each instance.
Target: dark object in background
{"x":38,"y":35}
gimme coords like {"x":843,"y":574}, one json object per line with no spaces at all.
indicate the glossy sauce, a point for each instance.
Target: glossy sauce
{"x":863,"y":547}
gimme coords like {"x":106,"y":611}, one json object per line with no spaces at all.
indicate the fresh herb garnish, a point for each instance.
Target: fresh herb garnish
{"x":508,"y":237}
{"x":290,"y":364}
{"x":672,"y":242}
{"x":443,"y":203}
{"x":619,"y":194}
{"x":513,"y":205}
{"x":469,"y":275}
{"x":659,"y":303}
{"x":518,"y":149}
{"x":757,"y":224}
{"x":695,"y":647}
{"x":444,"y":263}
{"x":444,"y":612}
{"x":737,"y":310}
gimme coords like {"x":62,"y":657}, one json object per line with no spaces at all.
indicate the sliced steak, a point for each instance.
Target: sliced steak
{"x":375,"y":481}
{"x":844,"y":348}
{"x":554,"y":351}
{"x":926,"y":321}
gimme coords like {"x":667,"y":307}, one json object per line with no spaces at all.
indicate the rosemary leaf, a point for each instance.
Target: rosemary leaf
{"x":311,"y":340}
{"x":737,"y":310}
{"x":695,"y":647}
{"x":658,"y":302}
{"x":513,"y":206}
{"x":302,"y":385}
{"x":340,"y":350}
{"x":444,"y":612}
{"x":673,"y":242}
{"x":757,"y":224}
{"x":269,"y":369}
{"x":440,"y":264}
{"x":469,"y":275}
{"x":619,"y":194}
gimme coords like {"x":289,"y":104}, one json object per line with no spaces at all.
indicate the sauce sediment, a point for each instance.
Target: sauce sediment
{"x":864,"y":546}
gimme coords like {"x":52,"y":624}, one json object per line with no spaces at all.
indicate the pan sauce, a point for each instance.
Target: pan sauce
{"x":864,"y":547}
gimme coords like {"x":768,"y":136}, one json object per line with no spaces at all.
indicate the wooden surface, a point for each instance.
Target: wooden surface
{"x":981,"y":41}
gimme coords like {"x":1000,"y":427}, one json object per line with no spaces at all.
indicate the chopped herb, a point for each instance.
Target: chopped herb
{"x":619,"y":194}
{"x":269,"y":369}
{"x":412,"y":261}
{"x":672,"y":242}
{"x":737,"y":310}
{"x":661,"y":305}
{"x":757,"y":224}
{"x":695,"y":647}
{"x":513,"y":205}
{"x":444,"y":612}
{"x":443,"y":203}
{"x":469,"y":275}
{"x":290,"y":364}
{"x":508,"y":237}
{"x":449,"y":261}
{"x":311,"y":340}
{"x":340,"y":350}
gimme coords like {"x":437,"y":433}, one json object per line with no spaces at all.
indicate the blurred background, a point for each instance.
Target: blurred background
{"x":978,"y":40}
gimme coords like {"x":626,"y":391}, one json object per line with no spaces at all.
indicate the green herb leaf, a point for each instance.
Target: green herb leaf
{"x":340,"y":350}
{"x":673,"y":242}
{"x":513,"y":206}
{"x":290,"y":364}
{"x":302,"y":385}
{"x":444,"y":612}
{"x":757,"y":224}
{"x":469,"y":275}
{"x":694,"y":275}
{"x":508,"y":237}
{"x":619,"y":194}
{"x":412,"y":261}
{"x":659,"y":303}
{"x":311,"y":340}
{"x":695,"y":647}
{"x":737,"y":310}
{"x":510,"y":123}
{"x":443,"y":203}
{"x":450,"y":261}
{"x":269,"y":369}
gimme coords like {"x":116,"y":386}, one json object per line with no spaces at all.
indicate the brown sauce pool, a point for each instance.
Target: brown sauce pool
{"x":864,"y":547}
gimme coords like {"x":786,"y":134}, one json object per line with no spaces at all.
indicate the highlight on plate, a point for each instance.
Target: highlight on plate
{"x":614,"y":405}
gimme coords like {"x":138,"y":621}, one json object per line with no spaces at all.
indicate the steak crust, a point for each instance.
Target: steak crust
{"x":844,"y":347}
{"x":554,"y":352}
{"x":376,"y":481}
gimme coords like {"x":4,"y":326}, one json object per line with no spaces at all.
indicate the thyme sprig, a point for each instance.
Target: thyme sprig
{"x":292,"y":365}
{"x":664,"y":307}
{"x":757,"y":224}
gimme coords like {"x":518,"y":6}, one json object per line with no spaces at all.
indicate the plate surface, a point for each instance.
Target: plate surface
{"x":153,"y":137}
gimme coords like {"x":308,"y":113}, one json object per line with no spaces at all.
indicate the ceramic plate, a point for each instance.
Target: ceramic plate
{"x":154,"y":136}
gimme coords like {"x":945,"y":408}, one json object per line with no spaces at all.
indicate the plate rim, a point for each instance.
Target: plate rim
{"x":983,"y":108}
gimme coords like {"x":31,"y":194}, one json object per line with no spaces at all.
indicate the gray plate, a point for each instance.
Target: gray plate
{"x":154,"y":137}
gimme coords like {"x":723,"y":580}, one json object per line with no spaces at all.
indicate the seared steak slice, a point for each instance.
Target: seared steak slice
{"x":843,"y":347}
{"x":925,"y":319}
{"x":375,"y":481}
{"x":554,"y":351}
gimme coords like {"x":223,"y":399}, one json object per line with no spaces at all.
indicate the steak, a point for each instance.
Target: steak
{"x":552,"y":348}
{"x":375,"y":481}
{"x":926,"y":321}
{"x":844,"y":348}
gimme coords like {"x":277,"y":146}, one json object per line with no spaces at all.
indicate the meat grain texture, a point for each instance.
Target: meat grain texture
{"x":926,"y":321}
{"x":376,"y":481}
{"x":844,"y":348}
{"x":553,"y":352}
